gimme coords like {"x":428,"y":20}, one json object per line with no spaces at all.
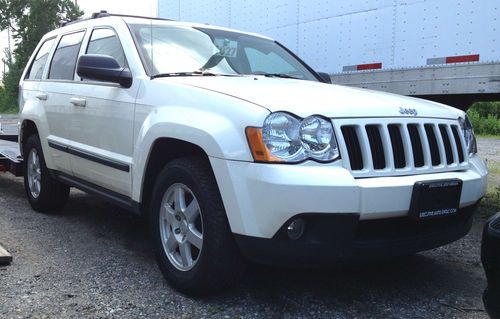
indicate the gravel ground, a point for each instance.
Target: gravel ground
{"x":95,"y":261}
{"x":489,"y":149}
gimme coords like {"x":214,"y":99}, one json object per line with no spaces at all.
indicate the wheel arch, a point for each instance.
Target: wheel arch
{"x":164,"y":150}
{"x":28,"y":128}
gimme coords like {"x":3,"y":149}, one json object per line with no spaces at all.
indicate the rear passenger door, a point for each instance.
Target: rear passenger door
{"x":56,"y":92}
{"x":102,"y":124}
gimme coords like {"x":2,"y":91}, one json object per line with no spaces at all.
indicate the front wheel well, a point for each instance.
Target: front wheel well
{"x":162,"y":152}
{"x":28,"y":128}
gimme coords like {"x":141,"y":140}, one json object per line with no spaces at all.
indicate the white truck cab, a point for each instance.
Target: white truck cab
{"x":234,"y":149}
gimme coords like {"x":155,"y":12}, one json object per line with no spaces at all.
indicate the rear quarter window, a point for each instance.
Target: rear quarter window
{"x":64,"y":60}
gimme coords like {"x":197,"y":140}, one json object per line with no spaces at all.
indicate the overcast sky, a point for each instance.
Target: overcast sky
{"x":133,"y":7}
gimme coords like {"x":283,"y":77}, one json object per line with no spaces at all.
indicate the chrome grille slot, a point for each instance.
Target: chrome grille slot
{"x":447,"y":143}
{"x":458,"y":143}
{"x":398,"y":149}
{"x":416,"y":145}
{"x":352,"y":142}
{"x":433,"y":144}
{"x":376,"y":146}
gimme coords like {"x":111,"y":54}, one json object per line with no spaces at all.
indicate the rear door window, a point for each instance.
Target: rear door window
{"x":64,"y":60}
{"x":40,"y":60}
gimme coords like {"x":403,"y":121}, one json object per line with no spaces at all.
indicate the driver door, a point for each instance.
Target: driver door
{"x":102,"y":122}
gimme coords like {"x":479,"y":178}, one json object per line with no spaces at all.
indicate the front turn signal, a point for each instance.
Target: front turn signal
{"x":258,"y":148}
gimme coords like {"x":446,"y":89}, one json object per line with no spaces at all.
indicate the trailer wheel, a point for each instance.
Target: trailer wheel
{"x":195,"y":248}
{"x":45,"y":194}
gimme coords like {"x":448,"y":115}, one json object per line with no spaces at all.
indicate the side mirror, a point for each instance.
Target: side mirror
{"x":103,"y":68}
{"x":325,"y":77}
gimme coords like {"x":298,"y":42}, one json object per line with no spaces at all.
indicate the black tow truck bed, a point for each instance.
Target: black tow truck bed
{"x":10,"y":157}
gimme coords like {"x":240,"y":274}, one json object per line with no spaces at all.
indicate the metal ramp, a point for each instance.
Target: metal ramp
{"x":5,"y":256}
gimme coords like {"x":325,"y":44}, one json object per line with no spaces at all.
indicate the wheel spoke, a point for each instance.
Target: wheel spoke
{"x":168,"y":214}
{"x":185,"y":251}
{"x":195,"y":238}
{"x":192,"y":211}
{"x":180,"y":200}
{"x":171,"y":243}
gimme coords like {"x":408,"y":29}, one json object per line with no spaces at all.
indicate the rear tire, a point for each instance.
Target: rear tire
{"x":195,"y":248}
{"x":45,"y":194}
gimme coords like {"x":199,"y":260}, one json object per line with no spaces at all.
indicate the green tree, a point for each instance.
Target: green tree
{"x":28,"y":21}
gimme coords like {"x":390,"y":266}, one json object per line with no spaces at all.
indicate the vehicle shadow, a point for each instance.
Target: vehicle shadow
{"x":108,"y":221}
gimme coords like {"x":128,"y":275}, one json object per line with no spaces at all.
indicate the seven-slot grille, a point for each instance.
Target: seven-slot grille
{"x":401,"y":147}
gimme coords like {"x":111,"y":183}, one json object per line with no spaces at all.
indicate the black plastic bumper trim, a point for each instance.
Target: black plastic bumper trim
{"x":332,"y":238}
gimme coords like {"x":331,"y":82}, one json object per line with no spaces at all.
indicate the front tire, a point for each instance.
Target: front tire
{"x":195,"y":248}
{"x":45,"y":194}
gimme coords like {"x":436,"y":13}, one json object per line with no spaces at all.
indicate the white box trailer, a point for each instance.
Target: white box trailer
{"x":445,"y":50}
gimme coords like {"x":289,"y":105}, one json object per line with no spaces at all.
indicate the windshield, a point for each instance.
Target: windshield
{"x":183,"y":50}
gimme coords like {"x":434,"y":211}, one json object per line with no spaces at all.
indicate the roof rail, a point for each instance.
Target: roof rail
{"x":104,"y":13}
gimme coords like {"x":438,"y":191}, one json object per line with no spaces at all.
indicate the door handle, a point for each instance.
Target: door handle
{"x":42,"y":96}
{"x":78,"y":102}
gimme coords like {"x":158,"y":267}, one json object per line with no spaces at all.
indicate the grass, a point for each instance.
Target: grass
{"x":490,"y":204}
{"x":494,"y":168}
{"x":487,"y":136}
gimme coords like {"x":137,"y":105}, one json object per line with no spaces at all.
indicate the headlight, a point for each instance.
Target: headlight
{"x":318,"y":139}
{"x":281,"y":137}
{"x":286,"y":138}
{"x":470,"y":139}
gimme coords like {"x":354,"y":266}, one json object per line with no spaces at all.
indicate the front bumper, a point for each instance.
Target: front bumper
{"x":260,"y":198}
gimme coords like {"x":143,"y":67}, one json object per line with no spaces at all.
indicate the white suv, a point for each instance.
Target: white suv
{"x":233,"y":147}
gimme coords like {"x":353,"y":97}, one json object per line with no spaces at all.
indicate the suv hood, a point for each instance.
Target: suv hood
{"x":305,"y":98}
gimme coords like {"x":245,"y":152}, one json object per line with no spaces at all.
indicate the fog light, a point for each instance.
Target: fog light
{"x":296,"y":229}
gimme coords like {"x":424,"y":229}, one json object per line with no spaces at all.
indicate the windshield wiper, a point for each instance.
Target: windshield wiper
{"x":278,"y":75}
{"x":191,"y":73}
